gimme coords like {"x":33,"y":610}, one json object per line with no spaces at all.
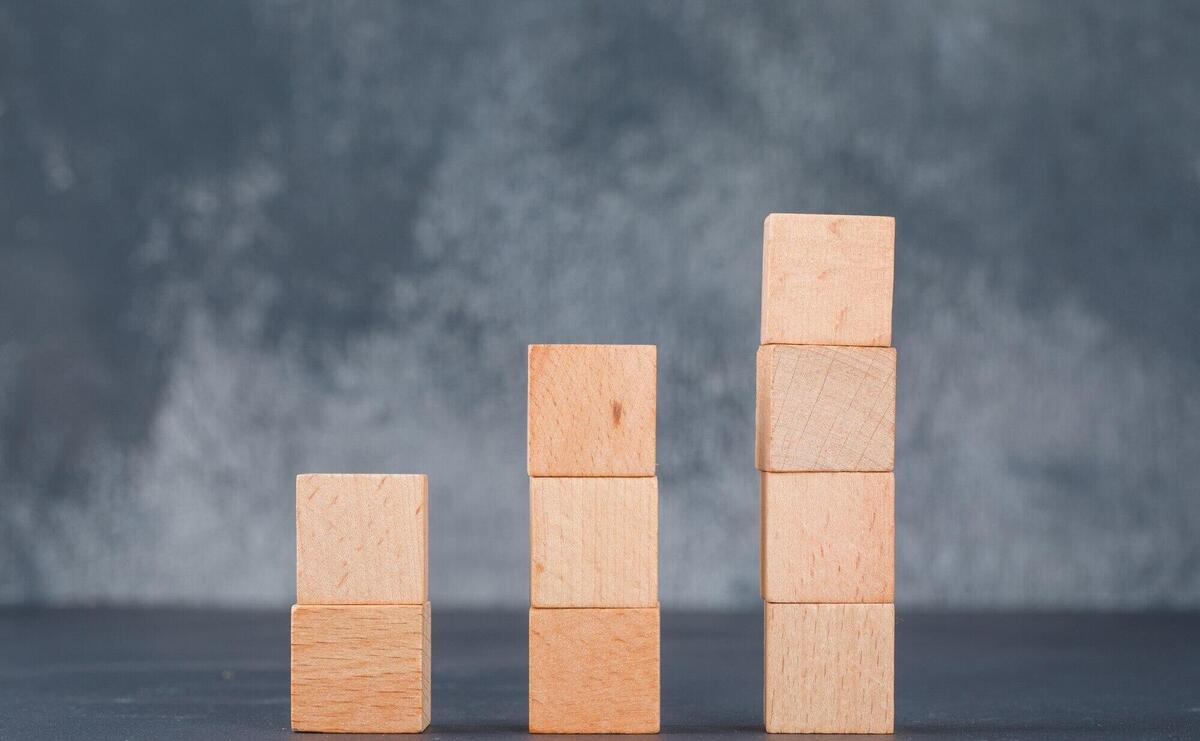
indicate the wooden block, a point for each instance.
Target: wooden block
{"x":593,"y":542}
{"x":829,"y":668}
{"x":360,"y":668}
{"x":592,"y":410}
{"x":828,"y":537}
{"x":594,"y":670}
{"x":827,"y":280}
{"x":362,"y":539}
{"x":826,"y":408}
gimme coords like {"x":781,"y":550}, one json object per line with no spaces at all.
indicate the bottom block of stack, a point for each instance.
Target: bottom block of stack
{"x":594,"y":670}
{"x":829,"y":668}
{"x":360,"y":668}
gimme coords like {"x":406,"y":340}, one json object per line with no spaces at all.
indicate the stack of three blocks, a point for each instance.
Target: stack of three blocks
{"x":593,"y":539}
{"x":825,"y":432}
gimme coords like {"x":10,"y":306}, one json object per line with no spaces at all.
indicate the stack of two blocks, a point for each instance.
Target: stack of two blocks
{"x":825,"y":431}
{"x":593,"y":539}
{"x":360,"y":628}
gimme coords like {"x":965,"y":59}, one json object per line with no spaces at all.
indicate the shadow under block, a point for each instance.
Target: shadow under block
{"x":594,"y":670}
{"x":829,"y":668}
{"x":360,"y":668}
{"x":593,"y":542}
{"x":362,"y":539}
{"x":592,"y":410}
{"x":827,"y":280}
{"x":828,"y":537}
{"x":822,"y":408}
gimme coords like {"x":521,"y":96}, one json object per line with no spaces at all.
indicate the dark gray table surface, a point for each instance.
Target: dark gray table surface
{"x":151,"y":674}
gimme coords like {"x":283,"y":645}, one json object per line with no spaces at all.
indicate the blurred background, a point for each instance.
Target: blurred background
{"x":243,"y":240}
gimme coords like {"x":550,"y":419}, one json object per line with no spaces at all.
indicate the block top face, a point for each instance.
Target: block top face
{"x":592,"y":410}
{"x":827,"y":279}
{"x":362,"y":538}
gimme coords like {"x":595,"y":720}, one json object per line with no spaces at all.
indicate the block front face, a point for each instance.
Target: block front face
{"x":825,"y":408}
{"x":828,"y":537}
{"x":360,"y":668}
{"x":362,"y":539}
{"x":827,"y":280}
{"x":594,"y":670}
{"x":593,"y":542}
{"x":592,"y":410}
{"x":829,"y":668}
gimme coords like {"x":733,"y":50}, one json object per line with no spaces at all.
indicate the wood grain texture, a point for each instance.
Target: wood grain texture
{"x":828,"y":537}
{"x":825,"y":408}
{"x":362,"y":539}
{"x":593,"y":542}
{"x":829,"y":668}
{"x":592,"y":410}
{"x":827,"y":280}
{"x":360,"y":668}
{"x":594,"y":670}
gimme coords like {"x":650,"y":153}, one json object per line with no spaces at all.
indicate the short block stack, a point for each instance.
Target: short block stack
{"x":593,"y":539}
{"x":825,"y":441}
{"x":360,"y":628}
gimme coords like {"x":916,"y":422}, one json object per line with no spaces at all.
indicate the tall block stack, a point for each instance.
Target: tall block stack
{"x":360,"y":628}
{"x":593,"y":539}
{"x":825,"y":447}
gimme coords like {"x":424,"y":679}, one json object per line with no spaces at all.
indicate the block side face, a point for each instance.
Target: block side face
{"x":828,"y":537}
{"x":593,"y":542}
{"x":826,"y":408}
{"x":592,"y":410}
{"x":362,"y":539}
{"x":360,"y":668}
{"x":766,"y":365}
{"x":828,"y":279}
{"x":594,"y":670}
{"x":829,"y":668}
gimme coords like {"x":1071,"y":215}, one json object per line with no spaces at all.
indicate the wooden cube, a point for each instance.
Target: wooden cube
{"x":592,"y":410}
{"x":829,"y":668}
{"x":362,"y":539}
{"x":360,"y":668}
{"x":594,"y":670}
{"x":826,"y":408}
{"x":827,"y":280}
{"x":593,"y":542}
{"x":828,"y":537}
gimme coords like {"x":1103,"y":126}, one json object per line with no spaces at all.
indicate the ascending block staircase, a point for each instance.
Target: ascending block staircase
{"x":593,"y":539}
{"x":360,"y":628}
{"x":825,"y":441}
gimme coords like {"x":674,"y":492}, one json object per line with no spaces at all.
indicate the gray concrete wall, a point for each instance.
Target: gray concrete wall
{"x":240,"y":241}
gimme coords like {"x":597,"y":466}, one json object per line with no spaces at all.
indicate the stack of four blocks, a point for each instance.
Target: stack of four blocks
{"x":825,"y":432}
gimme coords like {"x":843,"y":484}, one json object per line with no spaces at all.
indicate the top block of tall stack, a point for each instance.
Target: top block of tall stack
{"x":827,"y":280}
{"x":592,"y":410}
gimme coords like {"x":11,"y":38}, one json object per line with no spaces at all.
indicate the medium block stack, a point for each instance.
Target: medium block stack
{"x":593,"y":539}
{"x":360,"y":628}
{"x":825,"y":439}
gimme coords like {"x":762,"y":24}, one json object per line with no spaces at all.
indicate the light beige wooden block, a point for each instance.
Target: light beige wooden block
{"x":592,"y":410}
{"x":829,"y":668}
{"x":827,"y":280}
{"x":362,"y":539}
{"x":828,"y":537}
{"x":825,"y":408}
{"x":593,"y":542}
{"x":360,"y":668}
{"x":594,"y":670}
